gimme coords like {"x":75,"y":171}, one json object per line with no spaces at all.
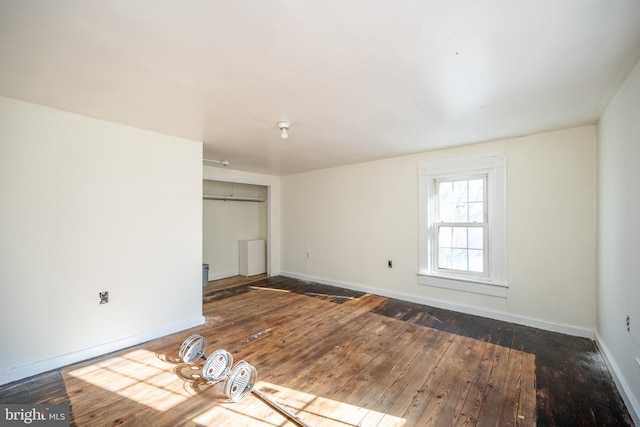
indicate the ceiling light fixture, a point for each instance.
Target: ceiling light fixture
{"x":284,"y":127}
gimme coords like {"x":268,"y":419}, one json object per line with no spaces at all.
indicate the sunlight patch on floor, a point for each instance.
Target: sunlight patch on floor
{"x":315,"y":410}
{"x":141,"y":376}
{"x":138,"y":375}
{"x":260,"y":288}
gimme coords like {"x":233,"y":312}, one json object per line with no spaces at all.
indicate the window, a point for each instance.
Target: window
{"x":463,"y":224}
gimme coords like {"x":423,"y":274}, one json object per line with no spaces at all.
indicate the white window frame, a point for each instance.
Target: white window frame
{"x":494,"y":166}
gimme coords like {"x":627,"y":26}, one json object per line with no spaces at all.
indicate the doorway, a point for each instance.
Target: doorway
{"x":232,"y":213}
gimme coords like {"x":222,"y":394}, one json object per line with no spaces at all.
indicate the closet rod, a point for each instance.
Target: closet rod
{"x":233,"y":198}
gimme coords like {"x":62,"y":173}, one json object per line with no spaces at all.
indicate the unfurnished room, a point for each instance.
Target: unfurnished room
{"x":319,"y":213}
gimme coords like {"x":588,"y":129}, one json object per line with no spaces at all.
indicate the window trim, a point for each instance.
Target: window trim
{"x":494,"y":165}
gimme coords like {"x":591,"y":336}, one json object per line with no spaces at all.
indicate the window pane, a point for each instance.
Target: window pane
{"x":460,"y":191}
{"x":476,"y":212}
{"x":476,"y":190}
{"x":476,"y":240}
{"x":445,"y":258}
{"x":459,"y":237}
{"x":460,"y":259}
{"x":461,"y":213}
{"x":447,"y":212}
{"x":444,"y":237}
{"x":476,"y":260}
{"x":445,"y":192}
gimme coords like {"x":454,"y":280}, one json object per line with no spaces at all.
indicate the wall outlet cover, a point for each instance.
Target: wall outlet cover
{"x":104,"y":297}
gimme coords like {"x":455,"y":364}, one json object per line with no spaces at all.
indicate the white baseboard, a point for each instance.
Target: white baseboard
{"x":505,"y":317}
{"x":56,"y":362}
{"x":625,"y":391}
{"x":223,"y":275}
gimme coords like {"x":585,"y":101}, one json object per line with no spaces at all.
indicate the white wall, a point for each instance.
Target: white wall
{"x":272,"y":206}
{"x":226,"y":222}
{"x":353,"y":219}
{"x":619,"y":236}
{"x":88,"y":206}
{"x":552,"y":227}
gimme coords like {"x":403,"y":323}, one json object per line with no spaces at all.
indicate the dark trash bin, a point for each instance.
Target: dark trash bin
{"x":205,"y":274}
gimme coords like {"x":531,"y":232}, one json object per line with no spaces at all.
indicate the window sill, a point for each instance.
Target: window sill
{"x":493,"y":289}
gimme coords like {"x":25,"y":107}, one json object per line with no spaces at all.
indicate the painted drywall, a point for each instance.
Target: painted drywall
{"x":90,"y":206}
{"x":551,"y":207}
{"x":226,"y":222}
{"x":344,"y":224}
{"x":619,"y":235}
{"x":272,"y":206}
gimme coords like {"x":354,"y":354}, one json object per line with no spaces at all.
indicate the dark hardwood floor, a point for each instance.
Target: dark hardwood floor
{"x":231,"y":282}
{"x":336,"y":357}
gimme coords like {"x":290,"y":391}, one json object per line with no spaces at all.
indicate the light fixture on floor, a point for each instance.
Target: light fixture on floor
{"x":223,"y":163}
{"x":284,"y":128}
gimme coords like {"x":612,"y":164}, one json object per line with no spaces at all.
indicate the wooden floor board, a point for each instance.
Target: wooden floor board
{"x":365,"y":388}
{"x":337,"y":357}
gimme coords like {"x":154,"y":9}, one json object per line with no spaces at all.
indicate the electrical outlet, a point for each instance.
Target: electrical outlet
{"x":390,"y":264}
{"x":628,"y":324}
{"x":104,"y":297}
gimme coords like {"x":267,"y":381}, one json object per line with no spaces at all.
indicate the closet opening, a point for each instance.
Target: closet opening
{"x":235,"y":230}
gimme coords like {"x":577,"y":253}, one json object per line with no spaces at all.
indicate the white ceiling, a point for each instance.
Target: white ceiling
{"x":358,"y":79}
